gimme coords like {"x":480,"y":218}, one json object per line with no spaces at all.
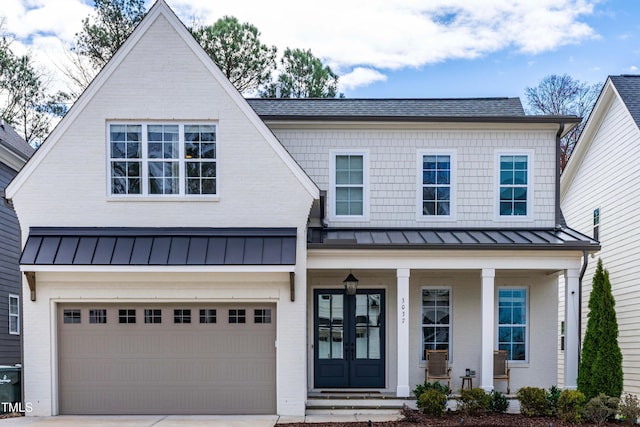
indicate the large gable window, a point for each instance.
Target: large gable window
{"x":160,"y":159}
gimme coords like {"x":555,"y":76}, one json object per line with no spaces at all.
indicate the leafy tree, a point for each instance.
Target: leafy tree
{"x":23,"y":87}
{"x":563,"y":95}
{"x":237,"y":51}
{"x":600,"y":369}
{"x":104,"y":33}
{"x":303,"y":76}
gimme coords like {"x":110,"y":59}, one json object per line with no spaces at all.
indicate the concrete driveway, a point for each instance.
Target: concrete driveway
{"x":144,"y":421}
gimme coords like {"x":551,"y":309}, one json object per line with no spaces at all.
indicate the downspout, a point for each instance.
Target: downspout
{"x":585,"y":262}
{"x":558,"y":153}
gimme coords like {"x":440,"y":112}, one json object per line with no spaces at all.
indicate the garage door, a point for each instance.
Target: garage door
{"x":167,"y":359}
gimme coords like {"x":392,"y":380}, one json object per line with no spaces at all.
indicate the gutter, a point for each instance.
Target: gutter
{"x":558,"y":151}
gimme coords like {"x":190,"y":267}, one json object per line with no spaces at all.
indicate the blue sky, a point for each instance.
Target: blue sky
{"x":397,"y":48}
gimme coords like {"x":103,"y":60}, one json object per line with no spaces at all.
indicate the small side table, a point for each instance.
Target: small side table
{"x":468,"y":379}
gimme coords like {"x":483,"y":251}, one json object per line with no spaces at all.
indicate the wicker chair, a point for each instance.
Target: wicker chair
{"x":437,"y":366}
{"x":501,"y":369}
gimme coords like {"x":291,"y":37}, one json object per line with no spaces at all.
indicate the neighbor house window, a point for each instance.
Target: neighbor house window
{"x":349,"y":176}
{"x":436,"y":319}
{"x":596,"y":224}
{"x":162,"y":159}
{"x":14,"y":314}
{"x":514,"y":189}
{"x":435,"y":185}
{"x":512,"y":322}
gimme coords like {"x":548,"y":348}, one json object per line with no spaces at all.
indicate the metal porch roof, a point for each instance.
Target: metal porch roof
{"x":467,"y":239}
{"x":160,"y":246}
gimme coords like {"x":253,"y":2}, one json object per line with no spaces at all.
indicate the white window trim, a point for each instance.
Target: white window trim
{"x":450,"y":289}
{"x":453,"y":185}
{"x":530,"y":185}
{"x":332,"y":186}
{"x":528,"y":324}
{"x":145,"y":196}
{"x":16,"y":315}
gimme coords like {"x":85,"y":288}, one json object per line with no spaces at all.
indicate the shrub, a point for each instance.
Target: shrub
{"x":533,"y":401}
{"x":629,"y":408}
{"x":600,"y":369}
{"x":499,"y":402}
{"x":553,"y":394}
{"x":474,"y":402}
{"x":601,"y":408}
{"x":570,"y":405}
{"x":421,"y":388}
{"x":433,"y":402}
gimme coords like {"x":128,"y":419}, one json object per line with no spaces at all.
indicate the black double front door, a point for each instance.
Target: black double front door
{"x":349,"y":339}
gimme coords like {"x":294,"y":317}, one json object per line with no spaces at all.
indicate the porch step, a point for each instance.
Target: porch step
{"x":349,"y":405}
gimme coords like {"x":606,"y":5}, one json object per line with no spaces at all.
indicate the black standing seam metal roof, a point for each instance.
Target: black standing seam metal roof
{"x":160,"y":246}
{"x":467,"y":239}
{"x":628,"y":86}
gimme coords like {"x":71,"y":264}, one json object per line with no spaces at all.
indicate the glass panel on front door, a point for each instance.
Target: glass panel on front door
{"x":349,"y":338}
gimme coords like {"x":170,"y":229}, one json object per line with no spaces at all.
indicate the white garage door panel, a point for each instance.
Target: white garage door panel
{"x":167,"y":368}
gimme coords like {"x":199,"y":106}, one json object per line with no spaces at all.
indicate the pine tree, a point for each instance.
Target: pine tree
{"x":600,"y":369}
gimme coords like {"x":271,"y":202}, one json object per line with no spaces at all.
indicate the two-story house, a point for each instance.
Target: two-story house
{"x":14,"y":152}
{"x":600,"y":198}
{"x":186,"y":250}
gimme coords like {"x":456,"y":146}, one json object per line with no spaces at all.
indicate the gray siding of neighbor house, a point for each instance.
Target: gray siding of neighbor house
{"x":9,"y":272}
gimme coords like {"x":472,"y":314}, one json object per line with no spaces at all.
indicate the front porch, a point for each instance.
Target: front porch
{"x":454,"y":300}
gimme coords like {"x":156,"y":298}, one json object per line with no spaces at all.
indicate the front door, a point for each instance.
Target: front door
{"x":349,"y":338}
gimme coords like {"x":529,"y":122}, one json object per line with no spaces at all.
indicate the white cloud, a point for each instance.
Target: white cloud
{"x":358,"y":35}
{"x":359,"y":77}
{"x":633,"y":68}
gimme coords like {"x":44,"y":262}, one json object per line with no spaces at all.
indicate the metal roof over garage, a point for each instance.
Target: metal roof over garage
{"x":435,"y":238}
{"x":159,"y":246}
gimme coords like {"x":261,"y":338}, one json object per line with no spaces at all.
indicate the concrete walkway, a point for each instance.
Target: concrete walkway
{"x":185,"y":420}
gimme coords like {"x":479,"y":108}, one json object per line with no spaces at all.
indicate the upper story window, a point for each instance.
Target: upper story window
{"x":436,"y":185}
{"x":349,"y":184}
{"x":162,"y":159}
{"x":514,"y":190}
{"x":596,"y":224}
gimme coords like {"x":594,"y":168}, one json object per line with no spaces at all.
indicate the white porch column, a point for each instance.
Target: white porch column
{"x":487,"y":300}
{"x":403,"y":332}
{"x":571,"y":324}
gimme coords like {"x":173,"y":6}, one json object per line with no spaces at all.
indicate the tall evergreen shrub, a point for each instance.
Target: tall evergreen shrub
{"x":600,"y":369}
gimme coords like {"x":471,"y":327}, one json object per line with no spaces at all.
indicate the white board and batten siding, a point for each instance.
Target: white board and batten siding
{"x":608,"y":179}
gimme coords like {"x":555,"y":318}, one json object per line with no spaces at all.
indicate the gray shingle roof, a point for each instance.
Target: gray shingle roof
{"x":159,"y":246}
{"x":9,"y":138}
{"x":392,"y":108}
{"x":628,"y":86}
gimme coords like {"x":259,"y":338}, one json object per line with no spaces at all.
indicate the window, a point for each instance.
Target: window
{"x":71,"y":315}
{"x":162,"y":159}
{"x":435,"y":185}
{"x":237,"y":316}
{"x":208,"y":315}
{"x":127,"y":316}
{"x":514,"y":185}
{"x":182,"y":316}
{"x":98,"y":315}
{"x":348,"y":184}
{"x":14,"y":314}
{"x":512,"y":322}
{"x":262,"y":316}
{"x":152,"y":315}
{"x":436,"y":319}
{"x":596,"y":224}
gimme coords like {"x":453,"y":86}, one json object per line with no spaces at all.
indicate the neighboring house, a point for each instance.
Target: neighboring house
{"x":600,"y":197}
{"x":14,"y":152}
{"x":181,"y":255}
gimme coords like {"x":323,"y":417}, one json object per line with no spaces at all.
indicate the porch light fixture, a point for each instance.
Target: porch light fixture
{"x":350,"y":284}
